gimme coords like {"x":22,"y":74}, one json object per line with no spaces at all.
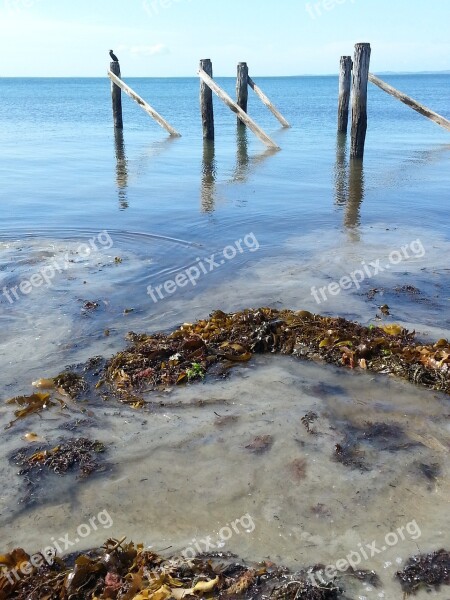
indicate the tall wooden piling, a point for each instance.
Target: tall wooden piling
{"x":242,"y":88}
{"x":361,"y":65}
{"x":345,"y":81}
{"x":116,"y":95}
{"x":206,"y":101}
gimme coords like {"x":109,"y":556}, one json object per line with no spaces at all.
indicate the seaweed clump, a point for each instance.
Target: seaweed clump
{"x":73,"y":454}
{"x":129,"y":572}
{"x":161,"y":360}
{"x":71,"y":383}
{"x":425,"y":571}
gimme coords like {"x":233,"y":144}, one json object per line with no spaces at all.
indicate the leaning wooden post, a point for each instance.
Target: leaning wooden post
{"x":116,"y":95}
{"x":420,"y":108}
{"x":206,"y":102}
{"x":265,"y":100}
{"x":143,"y":104}
{"x":361,"y":64}
{"x":237,"y":109}
{"x":345,"y":81}
{"x":242,"y":88}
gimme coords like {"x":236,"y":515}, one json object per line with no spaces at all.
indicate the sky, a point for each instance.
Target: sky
{"x":158,"y":38}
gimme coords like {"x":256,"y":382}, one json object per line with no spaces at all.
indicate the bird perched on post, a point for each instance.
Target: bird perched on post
{"x":113,"y":56}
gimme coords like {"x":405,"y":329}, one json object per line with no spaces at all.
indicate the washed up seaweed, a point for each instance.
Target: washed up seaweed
{"x":30,"y":405}
{"x":194,"y":351}
{"x":125,"y":571}
{"x":160,"y":360}
{"x":73,"y":454}
{"x":77,"y":455}
{"x":425,"y":571}
{"x":71,"y":383}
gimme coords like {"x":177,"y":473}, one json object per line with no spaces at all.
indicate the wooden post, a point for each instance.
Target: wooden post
{"x":116,"y":95}
{"x":235,"y":108}
{"x":206,"y":102}
{"x":265,"y":100}
{"x":242,"y":88}
{"x":420,"y":108}
{"x":143,"y":104}
{"x":345,"y":80}
{"x":361,"y":64}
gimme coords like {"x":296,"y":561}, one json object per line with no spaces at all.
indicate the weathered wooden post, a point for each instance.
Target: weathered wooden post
{"x":361,"y":64}
{"x":206,"y":102}
{"x":116,"y":95}
{"x":242,"y":88}
{"x":345,"y":80}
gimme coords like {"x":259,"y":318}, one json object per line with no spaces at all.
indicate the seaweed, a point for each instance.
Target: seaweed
{"x":160,"y":360}
{"x":30,"y":405}
{"x":350,"y":456}
{"x":129,"y":572}
{"x":71,"y":383}
{"x":425,"y":571}
{"x":73,"y":454}
{"x":307,"y":420}
{"x":210,"y":347}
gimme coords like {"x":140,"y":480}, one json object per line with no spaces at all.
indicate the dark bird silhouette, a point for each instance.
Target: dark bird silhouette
{"x":113,"y":56}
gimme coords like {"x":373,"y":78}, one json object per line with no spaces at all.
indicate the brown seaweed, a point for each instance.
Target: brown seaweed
{"x":129,"y":572}
{"x":160,"y":360}
{"x":73,"y":454}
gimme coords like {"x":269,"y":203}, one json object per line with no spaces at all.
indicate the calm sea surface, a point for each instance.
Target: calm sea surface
{"x":154,"y":206}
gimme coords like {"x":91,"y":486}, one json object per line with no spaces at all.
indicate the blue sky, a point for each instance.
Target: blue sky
{"x":168,"y":37}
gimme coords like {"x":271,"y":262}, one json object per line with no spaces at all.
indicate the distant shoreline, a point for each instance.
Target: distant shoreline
{"x":381,"y":73}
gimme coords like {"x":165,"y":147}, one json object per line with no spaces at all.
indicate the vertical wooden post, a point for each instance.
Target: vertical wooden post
{"x":206,"y":102}
{"x":361,"y":64}
{"x":116,"y":95}
{"x":242,"y":88}
{"x":345,"y":80}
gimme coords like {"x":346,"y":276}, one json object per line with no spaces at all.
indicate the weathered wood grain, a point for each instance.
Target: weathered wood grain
{"x":236,"y":109}
{"x":143,"y":104}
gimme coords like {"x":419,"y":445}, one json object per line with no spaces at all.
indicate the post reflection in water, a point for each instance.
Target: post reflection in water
{"x":209,"y":173}
{"x":242,"y":158}
{"x":341,"y":170}
{"x":121,"y":168}
{"x":352,"y":218}
{"x":349,"y":186}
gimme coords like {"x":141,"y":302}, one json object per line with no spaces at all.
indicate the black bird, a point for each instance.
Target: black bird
{"x":113,"y":56}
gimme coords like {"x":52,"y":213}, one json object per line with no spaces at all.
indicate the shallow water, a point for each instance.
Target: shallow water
{"x":148,"y":208}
